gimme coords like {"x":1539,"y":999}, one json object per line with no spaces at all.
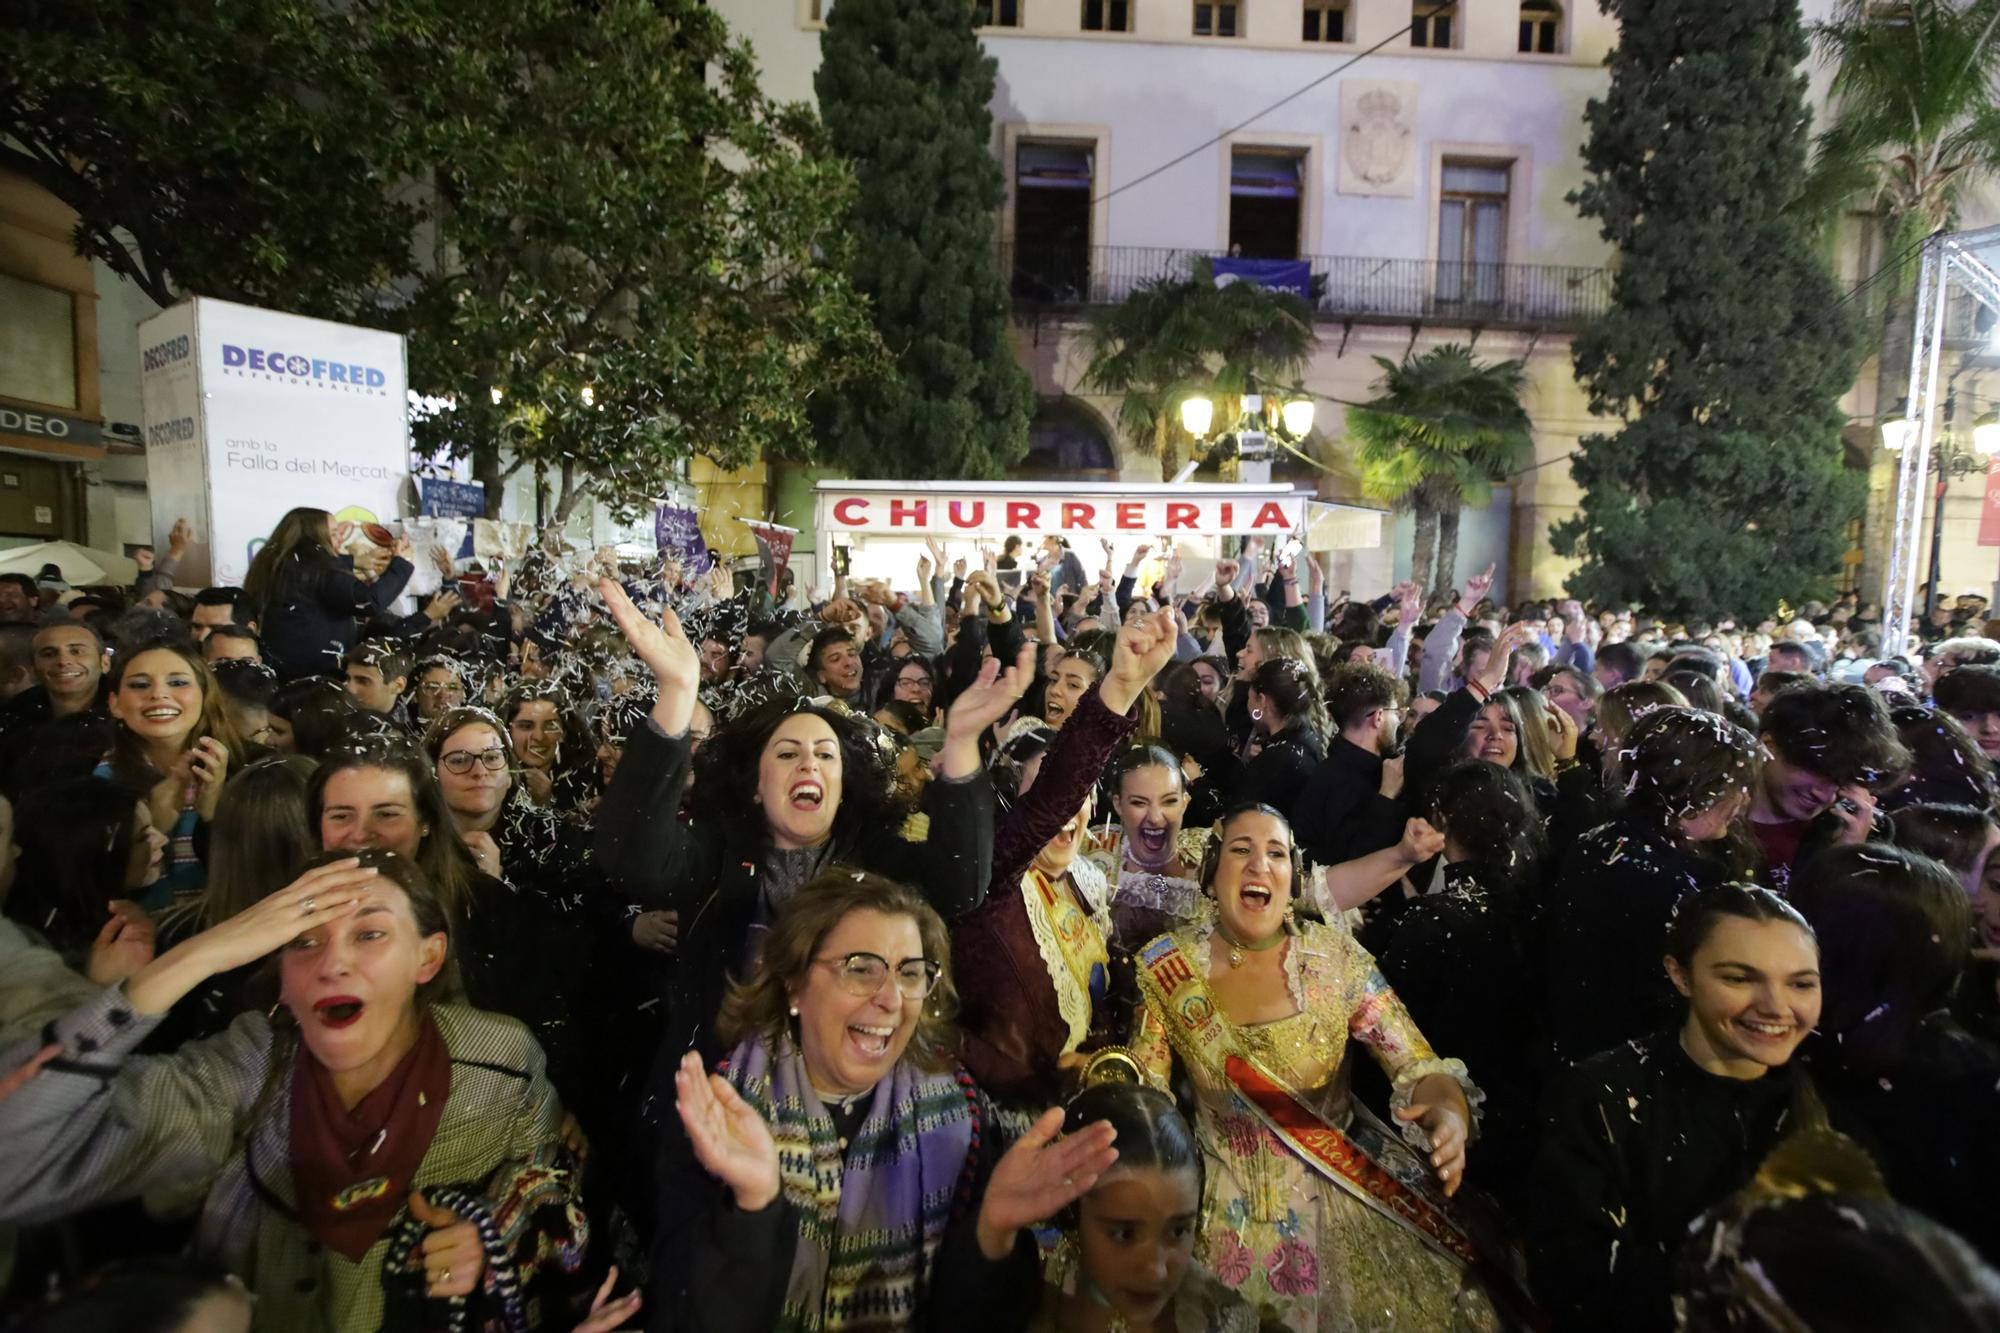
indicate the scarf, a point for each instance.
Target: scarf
{"x":870,"y":1220}
{"x":781,"y":873}
{"x":352,"y":1170}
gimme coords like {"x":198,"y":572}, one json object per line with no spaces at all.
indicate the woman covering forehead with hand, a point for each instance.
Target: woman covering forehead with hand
{"x":842,"y":1171}
{"x":352,"y":1145}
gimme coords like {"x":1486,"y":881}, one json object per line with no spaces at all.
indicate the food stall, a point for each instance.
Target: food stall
{"x":883,"y":525}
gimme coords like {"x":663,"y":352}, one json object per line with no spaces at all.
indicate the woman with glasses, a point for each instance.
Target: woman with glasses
{"x":840,"y":1164}
{"x":787,"y":790}
{"x":912,"y":681}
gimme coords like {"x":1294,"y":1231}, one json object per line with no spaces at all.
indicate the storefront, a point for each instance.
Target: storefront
{"x":883,"y":525}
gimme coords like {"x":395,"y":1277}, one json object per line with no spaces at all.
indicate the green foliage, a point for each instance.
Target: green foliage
{"x":904,"y":90}
{"x":1173,"y":338}
{"x":1725,"y":351}
{"x":1444,"y":427}
{"x":547,"y":196}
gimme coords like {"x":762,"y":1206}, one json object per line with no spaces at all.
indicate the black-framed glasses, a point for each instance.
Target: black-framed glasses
{"x":492,"y":759}
{"x":862,"y":974}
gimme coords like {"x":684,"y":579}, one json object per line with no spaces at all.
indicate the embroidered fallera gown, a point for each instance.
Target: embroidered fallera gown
{"x":1308,"y":1252}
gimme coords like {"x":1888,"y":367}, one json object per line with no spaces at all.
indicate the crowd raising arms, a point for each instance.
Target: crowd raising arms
{"x":990,"y":955}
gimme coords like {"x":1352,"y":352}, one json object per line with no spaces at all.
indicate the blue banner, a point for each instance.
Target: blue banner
{"x":1279,"y":275}
{"x":677,"y":529}
{"x":453,"y":499}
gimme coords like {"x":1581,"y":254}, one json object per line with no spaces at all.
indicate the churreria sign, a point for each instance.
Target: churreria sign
{"x":290,"y":367}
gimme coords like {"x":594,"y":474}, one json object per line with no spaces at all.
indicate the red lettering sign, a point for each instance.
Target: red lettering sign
{"x":849,"y":511}
{"x":978,"y":515}
{"x":908,"y":513}
{"x":1228,"y":515}
{"x":1272,"y":515}
{"x":1131,"y":515}
{"x":1078,"y":516}
{"x":1182,"y":515}
{"x":1022,"y":514}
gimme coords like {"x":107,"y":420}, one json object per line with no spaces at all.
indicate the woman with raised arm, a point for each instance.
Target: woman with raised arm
{"x":1313,"y":1209}
{"x":841,"y":1171}
{"x":369,"y":1154}
{"x":786,"y":791}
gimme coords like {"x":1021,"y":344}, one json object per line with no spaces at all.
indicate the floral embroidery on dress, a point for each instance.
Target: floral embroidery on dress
{"x":1292,"y":1269}
{"x":1230,"y":1259}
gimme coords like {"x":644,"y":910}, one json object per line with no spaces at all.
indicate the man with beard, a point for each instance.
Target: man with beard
{"x":1353,"y":805}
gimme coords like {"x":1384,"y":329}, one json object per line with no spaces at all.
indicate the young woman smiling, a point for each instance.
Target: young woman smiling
{"x":785,"y":792}
{"x":316,"y":1133}
{"x":176,"y":744}
{"x":1643,"y":1139}
{"x":841,"y":1171}
{"x":1259,"y":1010}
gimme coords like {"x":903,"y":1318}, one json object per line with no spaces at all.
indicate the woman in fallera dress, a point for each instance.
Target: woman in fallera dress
{"x":1314,"y":1210}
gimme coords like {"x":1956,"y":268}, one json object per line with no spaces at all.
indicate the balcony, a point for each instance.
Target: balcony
{"x":1536,"y":296}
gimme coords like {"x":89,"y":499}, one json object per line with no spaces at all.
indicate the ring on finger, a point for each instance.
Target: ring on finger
{"x":308,"y":907}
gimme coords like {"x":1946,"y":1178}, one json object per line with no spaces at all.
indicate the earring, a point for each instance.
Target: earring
{"x":1256,"y":715}
{"x":795,"y":1011}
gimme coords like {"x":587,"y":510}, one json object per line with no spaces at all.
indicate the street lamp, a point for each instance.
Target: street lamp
{"x":1259,"y":416}
{"x":1197,"y":414}
{"x":1298,"y":418}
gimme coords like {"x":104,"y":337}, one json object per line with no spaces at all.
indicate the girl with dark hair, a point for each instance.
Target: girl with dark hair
{"x":1459,"y":959}
{"x":1155,"y":857}
{"x":1689,"y":776}
{"x":1313,"y":1210}
{"x":554,"y":752}
{"x":1897,"y":1071}
{"x":176,"y":744}
{"x":310,"y":606}
{"x":1643,"y":1139}
{"x":785,"y":792}
{"x":1288,"y":722}
{"x":307,"y":715}
{"x":1126,"y":1256}
{"x":840,"y":1161}
{"x":1946,"y":768}
{"x":1960,"y":836}
{"x":88,"y":847}
{"x":910,"y":680}
{"x":461,"y":1198}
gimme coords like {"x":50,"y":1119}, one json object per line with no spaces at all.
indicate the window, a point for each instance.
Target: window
{"x":1264,"y":202}
{"x":1541,"y":27}
{"x":37,"y":343}
{"x":1433,"y":26}
{"x":1218,"y":18}
{"x":996,"y":13}
{"x":1325,"y":22}
{"x":1472,"y":231}
{"x":1052,"y":192}
{"x":1107,"y":15}
{"x":817,"y":10}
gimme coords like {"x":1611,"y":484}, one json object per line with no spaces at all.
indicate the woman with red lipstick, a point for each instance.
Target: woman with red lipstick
{"x":1312,"y":1209}
{"x":326,"y":1136}
{"x":841,"y":1170}
{"x":1642,"y":1140}
{"x":1035,"y":964}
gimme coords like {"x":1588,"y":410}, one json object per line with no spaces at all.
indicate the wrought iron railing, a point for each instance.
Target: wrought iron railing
{"x":1541,"y":295}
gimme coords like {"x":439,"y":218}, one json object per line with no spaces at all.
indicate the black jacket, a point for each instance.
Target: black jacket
{"x":1343,"y":814}
{"x":315,"y":613}
{"x":1277,"y":775}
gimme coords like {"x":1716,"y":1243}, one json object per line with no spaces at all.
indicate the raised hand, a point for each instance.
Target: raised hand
{"x":1144,"y":647}
{"x":208,"y":769}
{"x":1225,"y":577}
{"x":1392,"y":777}
{"x":1494,"y":675}
{"x":485,"y":851}
{"x":1476,"y":589}
{"x":1039,"y":1177}
{"x":446,"y":566}
{"x":180,"y":538}
{"x":454,"y":1256}
{"x":958,"y":569}
{"x":123,"y":946}
{"x":989,"y":697}
{"x":729,"y":1138}
{"x":664,"y":647}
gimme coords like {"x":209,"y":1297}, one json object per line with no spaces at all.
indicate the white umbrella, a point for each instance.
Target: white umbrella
{"x":79,"y":564}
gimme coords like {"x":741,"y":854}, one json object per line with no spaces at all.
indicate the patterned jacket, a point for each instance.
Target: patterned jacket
{"x":101,"y":1124}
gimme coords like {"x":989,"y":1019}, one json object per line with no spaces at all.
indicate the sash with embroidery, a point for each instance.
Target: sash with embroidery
{"x":1411,"y":1200}
{"x":1072,"y":947}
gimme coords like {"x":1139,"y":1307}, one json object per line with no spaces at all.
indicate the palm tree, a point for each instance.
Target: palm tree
{"x":1441,"y":432}
{"x":1173,"y":337}
{"x":1911,"y":125}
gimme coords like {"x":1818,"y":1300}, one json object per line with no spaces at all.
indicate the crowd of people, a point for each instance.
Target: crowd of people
{"x":588,"y":946}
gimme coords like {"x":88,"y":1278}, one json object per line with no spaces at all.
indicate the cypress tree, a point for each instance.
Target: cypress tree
{"x":1726,"y":349}
{"x":904,"y":89}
